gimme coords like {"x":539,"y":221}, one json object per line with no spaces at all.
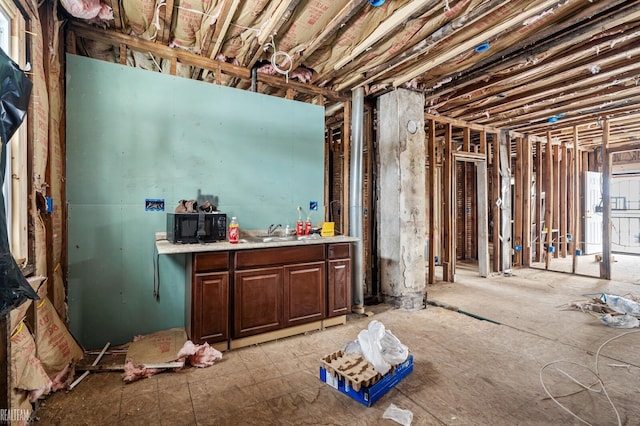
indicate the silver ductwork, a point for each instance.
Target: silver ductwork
{"x":355,"y":196}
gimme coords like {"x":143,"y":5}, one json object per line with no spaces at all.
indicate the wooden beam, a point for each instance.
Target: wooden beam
{"x":433,"y":190}
{"x":222,"y":25}
{"x":398,"y":19}
{"x":192,"y":59}
{"x":275,"y":21}
{"x":605,"y":264}
{"x":472,"y":42}
{"x":164,"y":33}
{"x":318,"y":40}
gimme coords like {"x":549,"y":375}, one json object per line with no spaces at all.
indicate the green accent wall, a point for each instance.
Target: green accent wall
{"x":134,"y":135}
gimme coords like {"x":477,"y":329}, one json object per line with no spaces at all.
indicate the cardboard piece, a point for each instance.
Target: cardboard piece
{"x":157,"y":348}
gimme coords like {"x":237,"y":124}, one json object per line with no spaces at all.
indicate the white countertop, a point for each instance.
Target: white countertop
{"x":166,"y":247}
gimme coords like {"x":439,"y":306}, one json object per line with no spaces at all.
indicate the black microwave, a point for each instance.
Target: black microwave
{"x":190,"y":228}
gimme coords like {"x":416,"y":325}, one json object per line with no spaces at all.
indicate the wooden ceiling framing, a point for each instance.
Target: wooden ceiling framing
{"x":536,"y":67}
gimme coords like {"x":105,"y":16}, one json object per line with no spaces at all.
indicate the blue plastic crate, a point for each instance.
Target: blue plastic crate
{"x":370,"y":394}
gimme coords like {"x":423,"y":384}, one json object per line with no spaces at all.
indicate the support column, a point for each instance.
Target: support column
{"x":539,"y":211}
{"x":401,"y":204}
{"x":605,"y":265}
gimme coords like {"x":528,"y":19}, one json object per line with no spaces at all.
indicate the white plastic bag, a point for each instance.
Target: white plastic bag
{"x":620,"y":304}
{"x":381,"y":348}
{"x":620,"y":321}
{"x":398,"y":415}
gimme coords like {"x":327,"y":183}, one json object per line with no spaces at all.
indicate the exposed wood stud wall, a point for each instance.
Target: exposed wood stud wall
{"x":539,"y":219}
{"x":555,"y":231}
{"x":548,"y":201}
{"x":605,"y":264}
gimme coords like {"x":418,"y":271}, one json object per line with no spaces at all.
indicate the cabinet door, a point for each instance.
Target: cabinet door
{"x":257,"y":301}
{"x":339,"y":287}
{"x":304,"y":293}
{"x":210,"y":311}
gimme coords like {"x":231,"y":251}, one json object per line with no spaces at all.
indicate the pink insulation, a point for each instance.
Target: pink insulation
{"x":134,"y":372}
{"x":88,"y":9}
{"x":199,"y":355}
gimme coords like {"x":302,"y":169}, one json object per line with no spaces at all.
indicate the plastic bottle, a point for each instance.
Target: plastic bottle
{"x":307,"y":227}
{"x":286,"y":230}
{"x":299,"y":228}
{"x":234,"y":231}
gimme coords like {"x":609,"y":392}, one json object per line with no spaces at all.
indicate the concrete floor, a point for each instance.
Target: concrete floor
{"x":467,"y":371}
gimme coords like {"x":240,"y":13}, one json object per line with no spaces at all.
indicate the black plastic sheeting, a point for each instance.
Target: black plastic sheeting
{"x":15,"y":90}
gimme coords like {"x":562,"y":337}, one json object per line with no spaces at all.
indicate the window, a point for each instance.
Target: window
{"x":15,"y":186}
{"x":618,"y":203}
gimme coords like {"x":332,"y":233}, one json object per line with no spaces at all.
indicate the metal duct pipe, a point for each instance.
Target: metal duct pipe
{"x":332,"y":109}
{"x":254,"y":78}
{"x":355,"y":196}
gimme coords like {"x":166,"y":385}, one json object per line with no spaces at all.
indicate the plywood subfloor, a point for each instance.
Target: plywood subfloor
{"x":466,"y":371}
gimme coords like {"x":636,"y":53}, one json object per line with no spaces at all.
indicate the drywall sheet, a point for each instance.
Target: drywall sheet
{"x":134,"y":135}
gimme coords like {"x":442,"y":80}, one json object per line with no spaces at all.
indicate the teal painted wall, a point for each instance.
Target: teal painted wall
{"x":134,"y":135}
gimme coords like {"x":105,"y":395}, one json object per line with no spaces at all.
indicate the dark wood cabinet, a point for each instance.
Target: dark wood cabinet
{"x":207,"y":298}
{"x":211,"y":307}
{"x":338,"y":280}
{"x":237,"y":294}
{"x":304,"y":293}
{"x":257,"y":301}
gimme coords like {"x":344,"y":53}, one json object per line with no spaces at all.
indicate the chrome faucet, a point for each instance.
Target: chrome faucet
{"x":272,"y":228}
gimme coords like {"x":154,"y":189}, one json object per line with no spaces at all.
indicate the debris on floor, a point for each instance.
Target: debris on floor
{"x":369,"y":366}
{"x":169,"y":349}
{"x":612,"y":310}
{"x":398,"y":415}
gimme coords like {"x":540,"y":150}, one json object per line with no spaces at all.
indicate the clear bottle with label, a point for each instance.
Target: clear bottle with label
{"x":234,"y":231}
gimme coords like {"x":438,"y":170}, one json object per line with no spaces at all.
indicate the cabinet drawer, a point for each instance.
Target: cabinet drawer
{"x":210,"y":261}
{"x":339,"y":251}
{"x":279,"y":256}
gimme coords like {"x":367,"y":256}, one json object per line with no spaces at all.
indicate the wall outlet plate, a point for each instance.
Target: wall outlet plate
{"x":154,"y":205}
{"x":313,"y":206}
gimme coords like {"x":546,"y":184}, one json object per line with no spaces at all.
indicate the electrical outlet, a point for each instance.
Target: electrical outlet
{"x":313,"y":206}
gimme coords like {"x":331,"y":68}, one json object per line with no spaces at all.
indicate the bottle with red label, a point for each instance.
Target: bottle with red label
{"x":307,"y":227}
{"x":299,"y":228}
{"x":234,"y":231}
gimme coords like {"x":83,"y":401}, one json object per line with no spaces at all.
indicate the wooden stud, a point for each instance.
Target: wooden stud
{"x":123,"y":54}
{"x":5,"y":362}
{"x":548,"y":200}
{"x":495,"y":195}
{"x":483,"y":142}
{"x":605,"y":264}
{"x":346,"y":149}
{"x":448,"y":255}
{"x":527,"y":172}
{"x":538,"y":206}
{"x":563,"y":201}
{"x":575,"y":230}
{"x":518,"y":203}
{"x":556,"y":204}
{"x":433,"y":189}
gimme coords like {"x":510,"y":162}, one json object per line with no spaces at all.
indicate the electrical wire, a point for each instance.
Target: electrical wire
{"x":590,"y":388}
